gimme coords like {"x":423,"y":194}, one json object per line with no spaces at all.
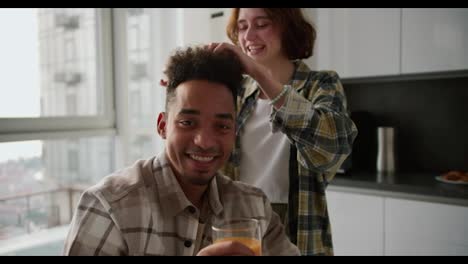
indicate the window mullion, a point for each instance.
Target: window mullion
{"x":120,"y":55}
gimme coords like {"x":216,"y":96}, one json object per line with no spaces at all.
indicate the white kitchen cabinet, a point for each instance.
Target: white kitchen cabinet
{"x":192,"y":26}
{"x":356,"y":222}
{"x":423,"y":228}
{"x":202,"y":25}
{"x":364,"y":224}
{"x":357,"y":42}
{"x":434,"y":39}
{"x":362,"y":42}
{"x":218,"y":22}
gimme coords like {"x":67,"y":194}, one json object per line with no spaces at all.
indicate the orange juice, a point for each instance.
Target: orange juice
{"x":252,"y":243}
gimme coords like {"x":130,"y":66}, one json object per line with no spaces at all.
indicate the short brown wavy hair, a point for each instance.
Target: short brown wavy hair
{"x":198,"y":63}
{"x":297,"y":34}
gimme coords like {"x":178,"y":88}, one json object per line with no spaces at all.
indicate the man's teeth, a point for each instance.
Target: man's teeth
{"x":200,"y":158}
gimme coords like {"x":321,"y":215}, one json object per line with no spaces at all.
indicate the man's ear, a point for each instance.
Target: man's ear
{"x":162,"y":119}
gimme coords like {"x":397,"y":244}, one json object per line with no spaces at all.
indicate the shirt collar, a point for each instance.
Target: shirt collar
{"x":172,"y":198}
{"x":300,"y":75}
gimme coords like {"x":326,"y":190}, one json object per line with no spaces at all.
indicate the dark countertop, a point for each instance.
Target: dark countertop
{"x":417,"y":186}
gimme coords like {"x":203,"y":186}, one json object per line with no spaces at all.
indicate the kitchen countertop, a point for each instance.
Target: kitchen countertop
{"x":415,"y":186}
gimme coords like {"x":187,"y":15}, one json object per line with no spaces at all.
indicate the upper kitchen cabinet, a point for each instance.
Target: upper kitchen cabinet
{"x":357,"y":42}
{"x":198,"y":26}
{"x":434,"y":40}
{"x":192,"y":25}
{"x":218,"y":22}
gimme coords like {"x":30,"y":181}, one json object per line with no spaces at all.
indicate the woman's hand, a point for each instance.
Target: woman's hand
{"x":249,"y":65}
{"x":269,"y":86}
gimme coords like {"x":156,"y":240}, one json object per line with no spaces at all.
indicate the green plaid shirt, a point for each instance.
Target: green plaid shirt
{"x":315,"y":118}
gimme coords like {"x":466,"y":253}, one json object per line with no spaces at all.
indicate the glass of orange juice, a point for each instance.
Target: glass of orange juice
{"x":244,"y":230}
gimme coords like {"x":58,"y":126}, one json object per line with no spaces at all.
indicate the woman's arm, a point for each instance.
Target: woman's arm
{"x":318,"y":123}
{"x":269,"y":85}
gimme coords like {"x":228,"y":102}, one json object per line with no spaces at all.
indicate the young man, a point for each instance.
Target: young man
{"x":165,"y":205}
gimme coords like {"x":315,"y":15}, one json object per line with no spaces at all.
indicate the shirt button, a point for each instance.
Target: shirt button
{"x":188,"y":243}
{"x":191,"y":209}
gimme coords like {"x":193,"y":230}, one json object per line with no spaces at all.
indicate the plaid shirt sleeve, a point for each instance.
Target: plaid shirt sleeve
{"x":93,"y":231}
{"x":317,"y":122}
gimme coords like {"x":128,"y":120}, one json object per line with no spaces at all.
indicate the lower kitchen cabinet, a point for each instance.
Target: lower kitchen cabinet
{"x":378,"y":225}
{"x":423,"y":228}
{"x":357,"y":223}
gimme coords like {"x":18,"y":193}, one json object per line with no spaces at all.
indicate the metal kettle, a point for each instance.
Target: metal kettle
{"x":386,"y":149}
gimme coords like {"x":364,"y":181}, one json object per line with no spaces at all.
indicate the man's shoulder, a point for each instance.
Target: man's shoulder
{"x":124,"y":182}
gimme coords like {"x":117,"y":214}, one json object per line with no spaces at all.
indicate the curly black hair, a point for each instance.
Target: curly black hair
{"x":197,"y":63}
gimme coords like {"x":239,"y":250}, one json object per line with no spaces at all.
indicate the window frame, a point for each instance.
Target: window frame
{"x":41,"y":128}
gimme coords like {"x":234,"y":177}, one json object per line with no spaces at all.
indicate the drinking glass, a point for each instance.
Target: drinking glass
{"x":244,"y":230}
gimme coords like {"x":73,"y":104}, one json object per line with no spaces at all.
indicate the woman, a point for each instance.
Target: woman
{"x":293,"y":128}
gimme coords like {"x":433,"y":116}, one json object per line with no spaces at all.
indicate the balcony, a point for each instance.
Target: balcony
{"x":47,"y":242}
{"x":36,"y":223}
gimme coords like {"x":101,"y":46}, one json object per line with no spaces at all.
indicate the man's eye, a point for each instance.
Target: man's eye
{"x":225,"y":127}
{"x":186,"y":123}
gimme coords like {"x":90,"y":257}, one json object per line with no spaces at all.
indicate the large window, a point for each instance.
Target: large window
{"x":57,"y":122}
{"x":41,"y":179}
{"x":140,"y":96}
{"x":79,"y":99}
{"x":19,"y":78}
{"x":56,"y":66}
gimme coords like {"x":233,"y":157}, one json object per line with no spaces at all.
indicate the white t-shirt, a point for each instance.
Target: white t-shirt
{"x":265,"y":155}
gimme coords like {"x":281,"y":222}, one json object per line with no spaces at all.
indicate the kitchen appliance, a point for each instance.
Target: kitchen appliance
{"x":386,"y":149}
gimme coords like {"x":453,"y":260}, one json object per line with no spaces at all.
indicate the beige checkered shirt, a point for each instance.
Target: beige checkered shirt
{"x":141,"y":210}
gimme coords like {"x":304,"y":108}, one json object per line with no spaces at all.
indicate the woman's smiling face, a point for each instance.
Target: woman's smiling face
{"x":258,"y":35}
